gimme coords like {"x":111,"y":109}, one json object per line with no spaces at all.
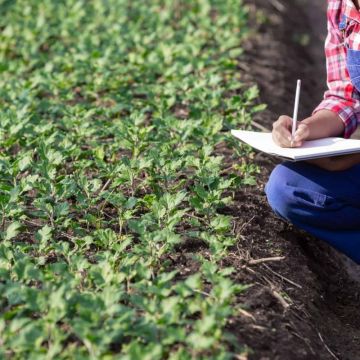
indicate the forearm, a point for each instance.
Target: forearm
{"x":324,"y":123}
{"x":337,"y":163}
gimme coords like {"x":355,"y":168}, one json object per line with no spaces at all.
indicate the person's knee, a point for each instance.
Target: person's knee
{"x":277,"y":191}
{"x":295,"y":198}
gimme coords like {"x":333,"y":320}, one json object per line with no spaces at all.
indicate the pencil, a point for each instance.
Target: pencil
{"x":296,"y":110}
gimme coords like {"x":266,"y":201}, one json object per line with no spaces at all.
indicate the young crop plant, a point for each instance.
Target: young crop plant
{"x":114,"y":114}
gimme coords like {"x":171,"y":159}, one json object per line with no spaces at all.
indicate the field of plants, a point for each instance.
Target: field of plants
{"x":114,"y":125}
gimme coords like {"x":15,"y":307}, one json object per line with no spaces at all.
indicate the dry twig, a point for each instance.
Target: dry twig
{"x":258,"y":327}
{"x":105,"y":186}
{"x":277,"y":5}
{"x":247,"y":314}
{"x":305,"y":340}
{"x":249,"y":269}
{"x":259,"y":126}
{"x":282,"y":277}
{"x":280,"y":298}
{"x":260,"y":261}
{"x":276,"y":294}
{"x":327,"y":348}
{"x":243,"y":226}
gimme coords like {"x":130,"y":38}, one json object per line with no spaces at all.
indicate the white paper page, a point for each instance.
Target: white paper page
{"x":310,"y":149}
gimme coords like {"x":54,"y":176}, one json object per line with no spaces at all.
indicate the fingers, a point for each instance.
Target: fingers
{"x":301,"y":134}
{"x":281,"y":133}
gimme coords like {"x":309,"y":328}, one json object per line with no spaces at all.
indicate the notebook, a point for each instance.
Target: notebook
{"x":312,"y":149}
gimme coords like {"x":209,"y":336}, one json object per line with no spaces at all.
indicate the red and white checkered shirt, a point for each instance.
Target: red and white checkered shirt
{"x":341,"y":97}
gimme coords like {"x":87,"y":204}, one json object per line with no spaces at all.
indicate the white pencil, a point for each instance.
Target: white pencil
{"x":296,"y":109}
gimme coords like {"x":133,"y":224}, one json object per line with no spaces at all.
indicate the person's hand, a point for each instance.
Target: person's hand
{"x":281,"y":133}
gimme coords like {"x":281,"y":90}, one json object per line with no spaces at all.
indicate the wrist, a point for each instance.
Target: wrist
{"x":324,"y":123}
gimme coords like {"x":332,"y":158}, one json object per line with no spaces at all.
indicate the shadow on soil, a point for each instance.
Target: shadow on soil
{"x":303,"y":305}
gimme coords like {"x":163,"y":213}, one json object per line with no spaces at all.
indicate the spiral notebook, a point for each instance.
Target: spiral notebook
{"x":332,"y":146}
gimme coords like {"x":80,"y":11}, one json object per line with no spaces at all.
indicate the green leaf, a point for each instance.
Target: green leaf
{"x":221,"y":223}
{"x":12,"y":230}
{"x":43,"y":236}
{"x":61,"y":209}
{"x":25,"y":162}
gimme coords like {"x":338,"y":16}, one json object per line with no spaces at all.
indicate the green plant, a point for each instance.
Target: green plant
{"x":112,"y":112}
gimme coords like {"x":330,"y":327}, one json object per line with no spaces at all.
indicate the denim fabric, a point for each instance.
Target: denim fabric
{"x":342,"y":23}
{"x":325,"y":204}
{"x":352,"y":59}
{"x":353,"y":66}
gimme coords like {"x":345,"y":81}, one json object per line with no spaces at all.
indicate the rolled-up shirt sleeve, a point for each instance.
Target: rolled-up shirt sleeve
{"x":341,"y":96}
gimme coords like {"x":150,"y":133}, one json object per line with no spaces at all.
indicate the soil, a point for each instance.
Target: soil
{"x":303,"y":303}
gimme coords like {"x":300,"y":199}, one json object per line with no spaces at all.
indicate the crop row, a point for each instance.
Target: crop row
{"x":113,"y":114}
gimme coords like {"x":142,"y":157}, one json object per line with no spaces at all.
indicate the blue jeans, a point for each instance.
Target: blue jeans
{"x":323,"y":203}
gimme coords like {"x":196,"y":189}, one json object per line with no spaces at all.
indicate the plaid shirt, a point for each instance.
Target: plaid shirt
{"x":341,"y":97}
